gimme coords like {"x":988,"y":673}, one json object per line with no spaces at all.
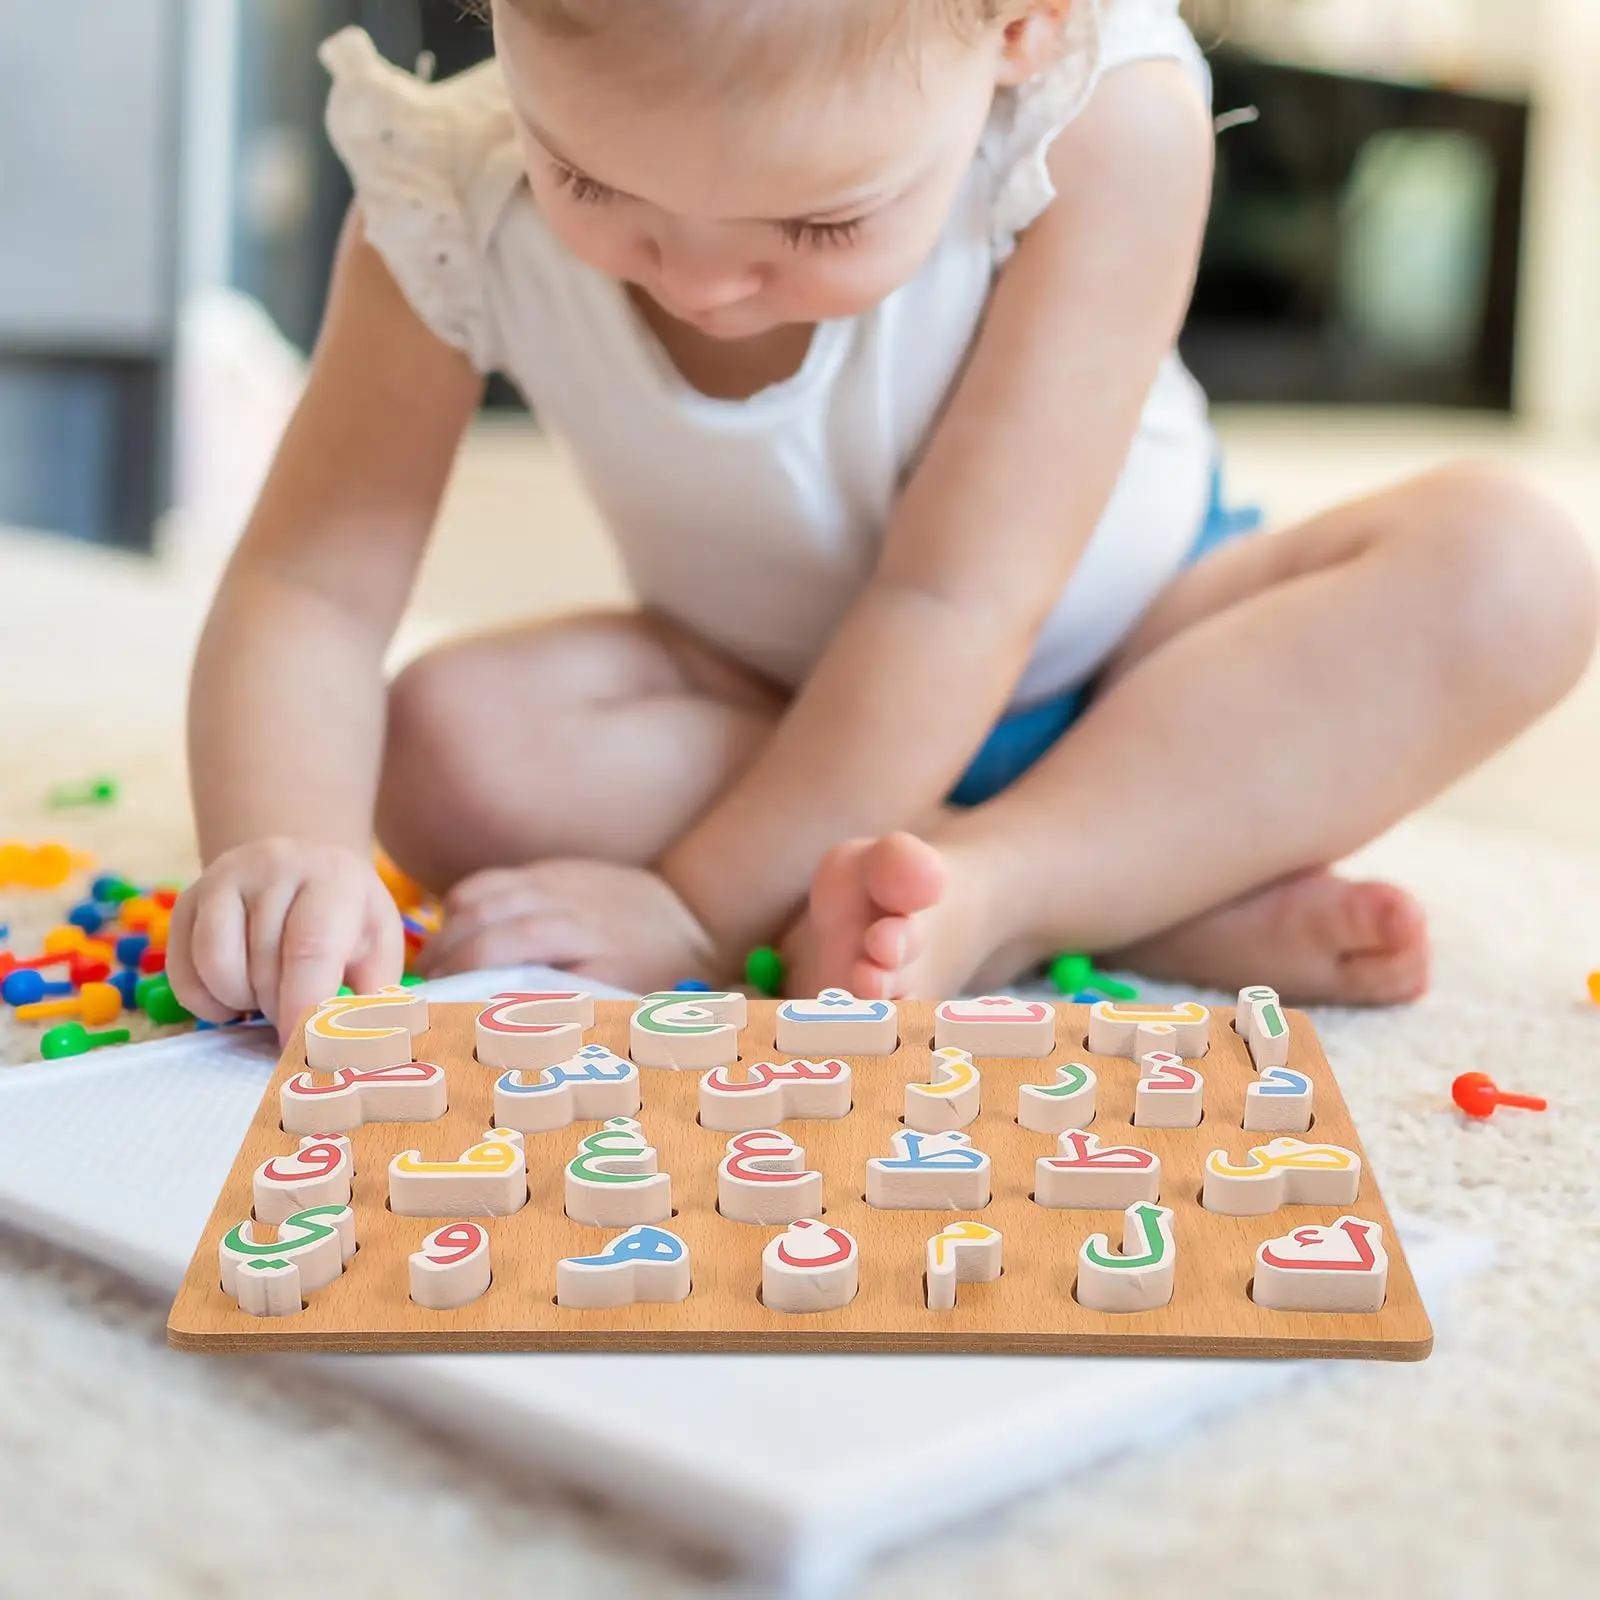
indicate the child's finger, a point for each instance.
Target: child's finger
{"x":320,"y":934}
{"x":510,"y":903}
{"x":488,"y":884}
{"x":265,"y":911}
{"x":186,"y":982}
{"x":382,"y":957}
{"x":549,"y":941}
{"x":218,"y":946}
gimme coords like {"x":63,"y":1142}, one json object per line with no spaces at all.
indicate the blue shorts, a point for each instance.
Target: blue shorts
{"x":1017,"y":741}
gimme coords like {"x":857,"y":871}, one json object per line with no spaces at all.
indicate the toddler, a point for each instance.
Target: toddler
{"x":858,"y":317}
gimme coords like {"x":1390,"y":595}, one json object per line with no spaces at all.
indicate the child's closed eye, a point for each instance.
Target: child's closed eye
{"x":579,"y":185}
{"x":799,"y":232}
{"x":820,"y":235}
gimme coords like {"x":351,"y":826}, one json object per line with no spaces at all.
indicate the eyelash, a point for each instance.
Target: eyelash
{"x":819,"y":235}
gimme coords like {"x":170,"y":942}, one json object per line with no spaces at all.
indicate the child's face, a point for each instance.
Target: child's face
{"x":814,"y":204}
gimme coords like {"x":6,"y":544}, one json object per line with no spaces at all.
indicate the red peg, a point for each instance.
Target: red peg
{"x":82,"y":971}
{"x":153,"y":961}
{"x":1477,"y":1094}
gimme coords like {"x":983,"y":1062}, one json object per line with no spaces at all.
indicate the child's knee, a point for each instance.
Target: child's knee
{"x":1512,"y":574}
{"x":430,"y":737}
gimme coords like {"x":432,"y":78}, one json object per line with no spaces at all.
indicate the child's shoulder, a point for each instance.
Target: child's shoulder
{"x":433,"y":166}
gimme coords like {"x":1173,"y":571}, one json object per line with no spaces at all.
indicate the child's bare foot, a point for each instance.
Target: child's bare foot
{"x":1315,"y":937}
{"x":870,"y":901}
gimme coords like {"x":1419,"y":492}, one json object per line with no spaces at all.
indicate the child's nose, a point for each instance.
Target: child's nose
{"x":700,"y":274}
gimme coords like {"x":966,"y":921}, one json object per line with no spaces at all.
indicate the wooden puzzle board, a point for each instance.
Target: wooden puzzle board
{"x":1030,"y":1309}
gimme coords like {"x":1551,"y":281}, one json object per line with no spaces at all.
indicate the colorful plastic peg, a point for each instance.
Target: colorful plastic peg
{"x":763,"y":971}
{"x":1594,"y":987}
{"x":130,"y":947}
{"x":90,"y":792}
{"x":126,"y":983}
{"x":158,"y":1002}
{"x":109,"y":889}
{"x":26,"y":987}
{"x":70,"y":941}
{"x":73,"y":1039}
{"x":1478,"y":1094}
{"x":95,"y":1002}
{"x":1072,"y":973}
{"x":34,"y":866}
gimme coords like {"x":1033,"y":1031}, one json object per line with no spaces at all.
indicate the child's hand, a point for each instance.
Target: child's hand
{"x":276,"y":926}
{"x":616,"y":924}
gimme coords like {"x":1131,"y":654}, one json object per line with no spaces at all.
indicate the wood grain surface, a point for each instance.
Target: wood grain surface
{"x":1030,"y":1309}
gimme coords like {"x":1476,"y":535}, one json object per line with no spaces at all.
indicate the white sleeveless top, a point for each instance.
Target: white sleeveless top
{"x":755,"y":522}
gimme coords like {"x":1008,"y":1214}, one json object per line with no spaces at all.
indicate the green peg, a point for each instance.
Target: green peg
{"x":343,"y":989}
{"x":411,"y":980}
{"x":73,"y":1039}
{"x":763,"y":971}
{"x":1070,"y":973}
{"x":91,"y":792}
{"x":153,"y":996}
{"x":115,"y":893}
{"x":1111,"y":989}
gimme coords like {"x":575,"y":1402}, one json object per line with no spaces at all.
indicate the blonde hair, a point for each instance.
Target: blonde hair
{"x":746,"y":43}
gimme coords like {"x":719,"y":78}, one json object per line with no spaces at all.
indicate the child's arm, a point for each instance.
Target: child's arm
{"x":287,"y":702}
{"x":987,"y":532}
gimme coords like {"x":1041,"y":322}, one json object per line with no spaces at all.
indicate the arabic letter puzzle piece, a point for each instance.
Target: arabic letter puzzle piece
{"x":809,"y":1267}
{"x":837,"y":1024}
{"x":770,"y":1092}
{"x":1067,"y":1103}
{"x":591,"y":1086}
{"x":1085,"y":1176}
{"x":643,"y":1264}
{"x":764,"y":1179}
{"x":965,"y":1252}
{"x":318,"y":1173}
{"x":450,"y":1268}
{"x":490,"y":1179}
{"x":1170,"y":1094}
{"x":1340,"y":1268}
{"x":952,"y":1100}
{"x":1259,"y":1020}
{"x":687,"y":1032}
{"x":995,"y":1025}
{"x":269,"y":1288}
{"x":365,"y":1030}
{"x":414,"y":1091}
{"x":613,"y":1181}
{"x":305,"y":1106}
{"x":929,"y":1172}
{"x":1141,"y":1277}
{"x":317,"y":1242}
{"x":1114,"y":1027}
{"x":1154,"y":1038}
{"x":1284,"y":1172}
{"x":1280,"y":1101}
{"x":529,"y":1030}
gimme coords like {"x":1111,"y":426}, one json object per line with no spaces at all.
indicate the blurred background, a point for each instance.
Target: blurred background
{"x":1401,"y":267}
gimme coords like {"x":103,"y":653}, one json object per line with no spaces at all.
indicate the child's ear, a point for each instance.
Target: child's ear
{"x":1032,"y":41}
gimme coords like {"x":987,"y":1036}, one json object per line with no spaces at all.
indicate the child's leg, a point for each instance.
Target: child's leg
{"x":1283,"y":703}
{"x":593,"y":736}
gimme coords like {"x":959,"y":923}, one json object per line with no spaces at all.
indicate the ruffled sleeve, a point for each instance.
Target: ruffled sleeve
{"x":433,"y":167}
{"x":1099,"y":35}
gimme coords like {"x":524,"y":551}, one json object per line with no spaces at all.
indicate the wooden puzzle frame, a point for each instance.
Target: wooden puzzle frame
{"x":1029,"y":1309}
